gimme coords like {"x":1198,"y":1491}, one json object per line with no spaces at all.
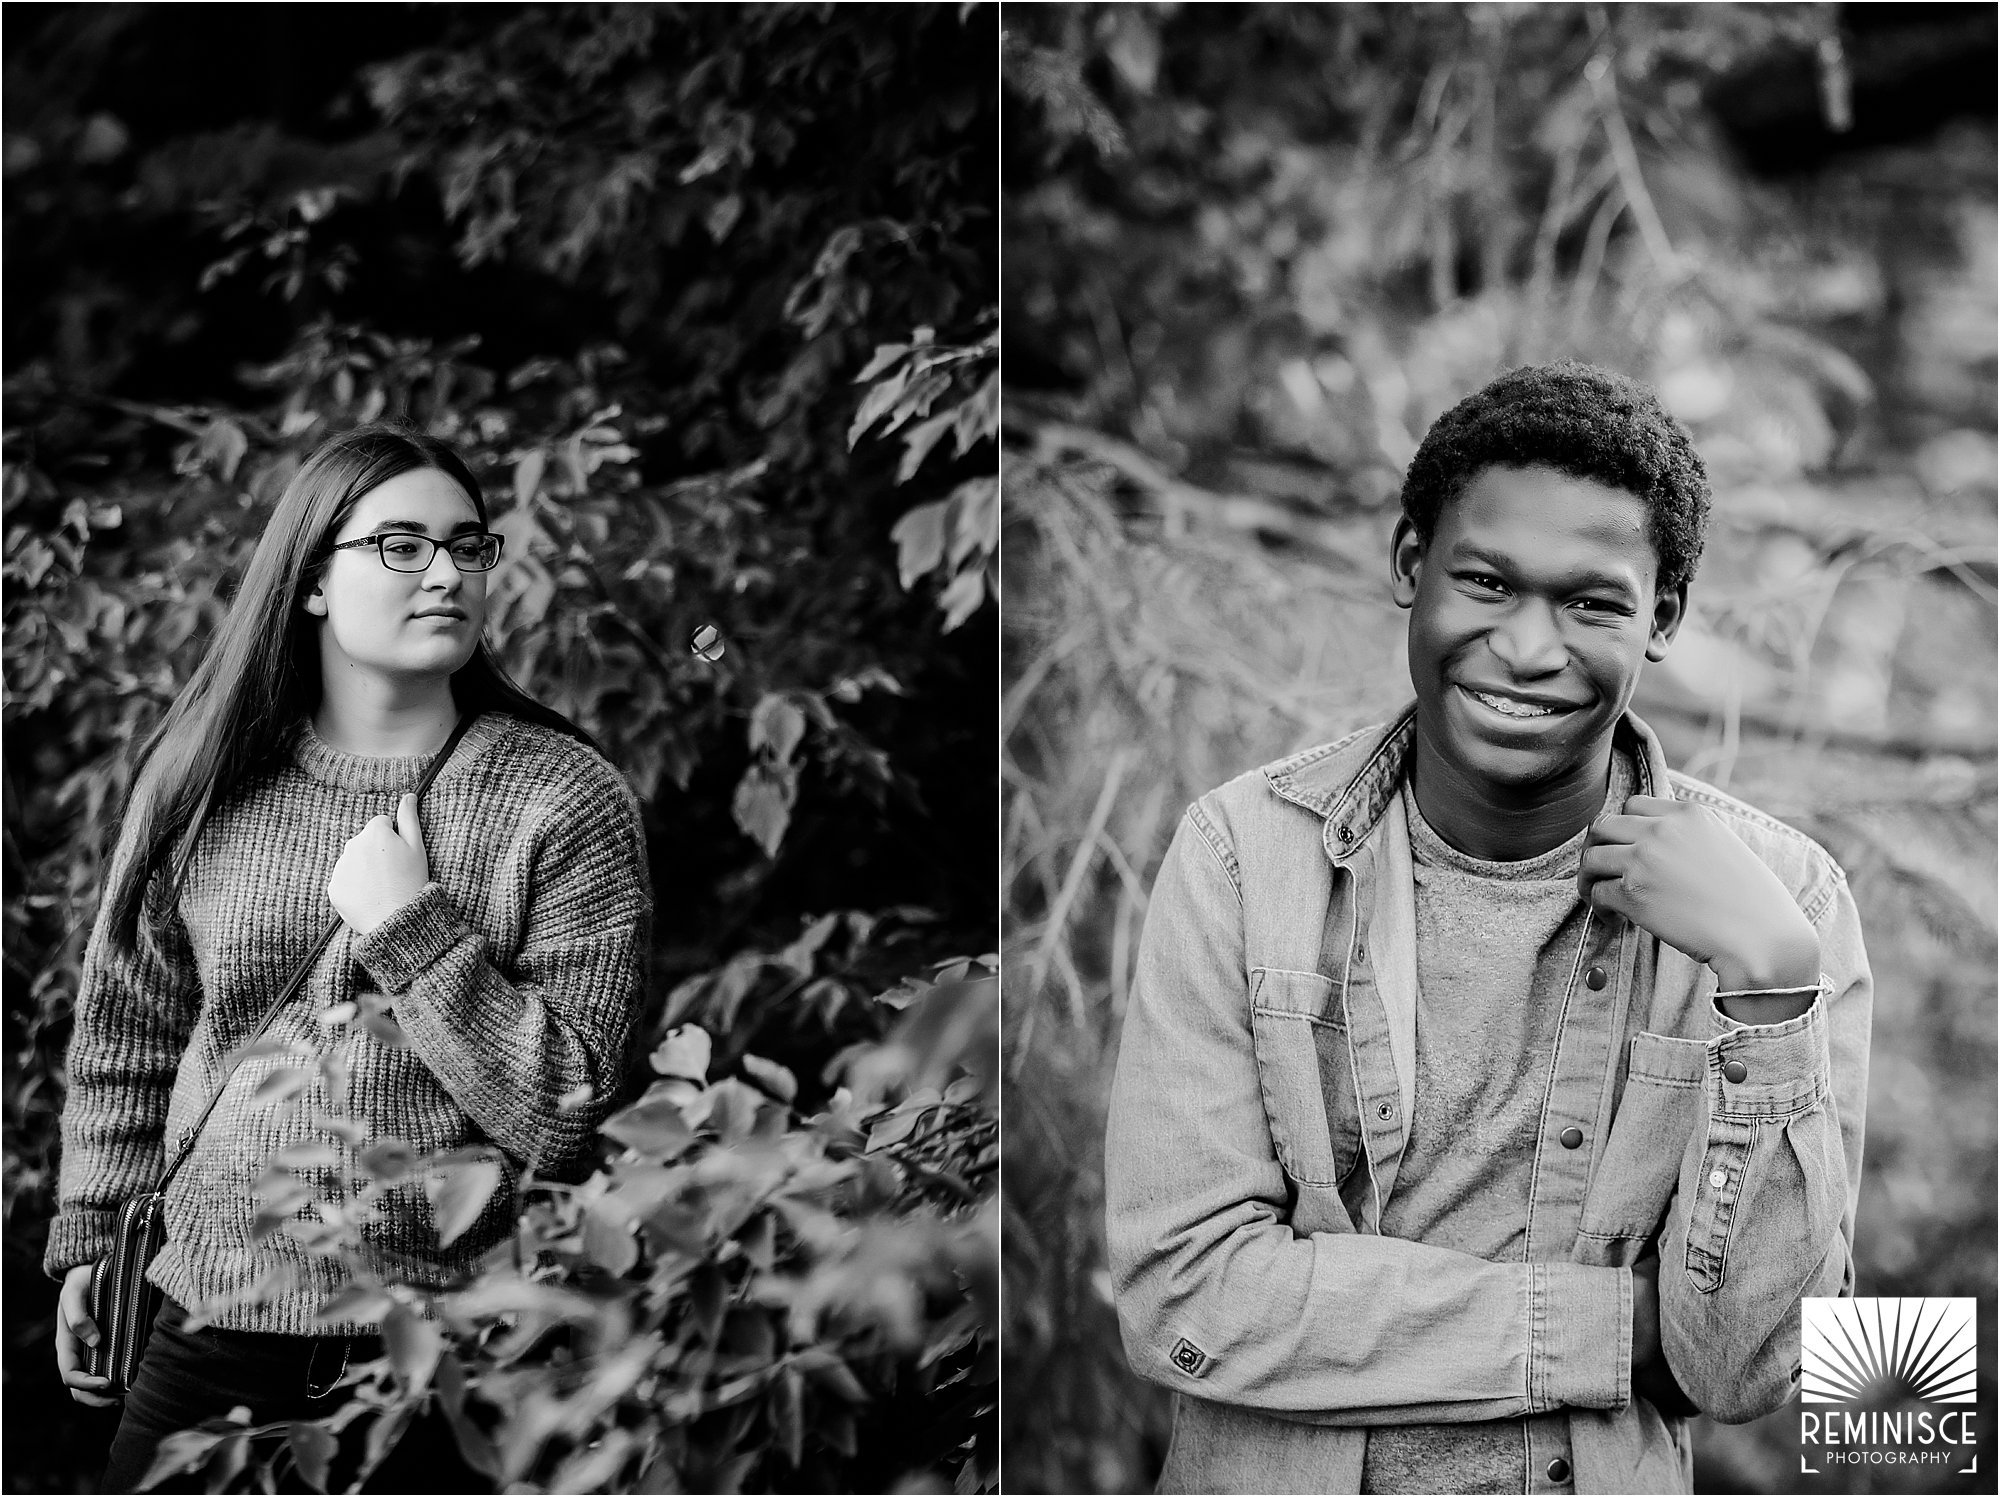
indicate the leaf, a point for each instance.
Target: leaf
{"x":528,"y":476}
{"x":733,"y":1109}
{"x":272,"y":1284}
{"x":773,"y":1077}
{"x":708,"y":1297}
{"x":894,"y":1128}
{"x":975,"y":519}
{"x":723,"y":216}
{"x":919,"y":538}
{"x":282,"y":1190}
{"x":383,"y":1434}
{"x":459,"y":1195}
{"x":876,"y":404}
{"x":269,"y":1219}
{"x":265,"y":1047}
{"x":676,"y":1227}
{"x":797,"y":956}
{"x":684,"y":1052}
{"x":607,"y":1239}
{"x":963,"y":1090}
{"x":522,"y":533}
{"x":345,"y":1128}
{"x":961,"y":599}
{"x":312,"y":1451}
{"x":720,"y":147}
{"x":307,"y":1156}
{"x":762,"y":805}
{"x":356,"y":1304}
{"x":225,"y":1463}
{"x":280,"y":1086}
{"x":760,"y":1242}
{"x":653,"y":1127}
{"x":223,"y":446}
{"x":776,"y":724}
{"x":976,"y":418}
{"x":918,"y":442}
{"x":594,"y":1464}
{"x":837,"y":1377}
{"x":414,"y":1346}
{"x":885,"y":354}
{"x":181,"y":1451}
{"x":787,"y":1399}
{"x":838,"y":250}
{"x":916,"y":402}
{"x":473,"y":1444}
{"x":388,"y":1161}
{"x":380,"y":1022}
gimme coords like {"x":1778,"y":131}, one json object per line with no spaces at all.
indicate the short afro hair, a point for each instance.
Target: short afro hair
{"x":1588,"y":422}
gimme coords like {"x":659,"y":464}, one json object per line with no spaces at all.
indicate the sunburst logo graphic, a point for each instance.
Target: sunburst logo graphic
{"x":1887,"y":1353}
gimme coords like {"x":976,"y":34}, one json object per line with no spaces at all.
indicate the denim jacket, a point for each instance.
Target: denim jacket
{"x":1259,"y":1113}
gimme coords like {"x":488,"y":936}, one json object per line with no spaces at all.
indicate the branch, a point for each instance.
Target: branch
{"x":1179,"y":501}
{"x":1604,"y":85}
{"x":1778,"y":723}
{"x":1974,"y":565}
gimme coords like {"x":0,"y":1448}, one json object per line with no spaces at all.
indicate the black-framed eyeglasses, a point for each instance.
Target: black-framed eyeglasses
{"x":405,"y":551}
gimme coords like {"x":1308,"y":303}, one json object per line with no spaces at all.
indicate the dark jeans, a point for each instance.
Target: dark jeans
{"x":188,"y":1376}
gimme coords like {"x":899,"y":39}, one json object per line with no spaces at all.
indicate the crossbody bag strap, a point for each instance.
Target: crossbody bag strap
{"x":292,"y":984}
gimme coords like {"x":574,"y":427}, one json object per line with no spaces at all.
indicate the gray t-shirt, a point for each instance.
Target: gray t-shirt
{"x":1496,"y":944}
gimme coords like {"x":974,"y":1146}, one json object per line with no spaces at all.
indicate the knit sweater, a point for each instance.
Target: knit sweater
{"x":513,"y":978}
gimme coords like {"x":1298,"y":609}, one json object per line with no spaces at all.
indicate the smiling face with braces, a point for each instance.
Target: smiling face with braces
{"x":1533,"y":608}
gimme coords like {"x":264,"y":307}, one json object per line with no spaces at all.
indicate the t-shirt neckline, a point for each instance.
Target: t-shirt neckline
{"x":1429,"y":848}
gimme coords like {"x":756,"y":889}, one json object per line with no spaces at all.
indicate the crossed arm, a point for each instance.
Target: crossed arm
{"x":1339,"y":1327}
{"x":1335,"y":1327}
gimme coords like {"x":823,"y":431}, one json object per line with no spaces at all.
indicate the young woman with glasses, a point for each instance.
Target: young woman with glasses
{"x":502,"y":928}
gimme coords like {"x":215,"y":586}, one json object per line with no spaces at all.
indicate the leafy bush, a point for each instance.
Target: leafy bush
{"x":724,"y":1305}
{"x":645,"y":266}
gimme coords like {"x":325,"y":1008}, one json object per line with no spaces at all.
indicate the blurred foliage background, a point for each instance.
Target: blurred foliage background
{"x":1251,"y":253}
{"x":707,"y":297}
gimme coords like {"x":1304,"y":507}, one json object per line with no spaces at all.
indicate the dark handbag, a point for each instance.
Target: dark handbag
{"x":123,"y":1301}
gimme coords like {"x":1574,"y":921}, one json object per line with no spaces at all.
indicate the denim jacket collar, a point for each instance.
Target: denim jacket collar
{"x":1351,"y":782}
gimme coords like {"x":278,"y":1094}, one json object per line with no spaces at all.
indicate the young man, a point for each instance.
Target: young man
{"x":1490,"y":1095}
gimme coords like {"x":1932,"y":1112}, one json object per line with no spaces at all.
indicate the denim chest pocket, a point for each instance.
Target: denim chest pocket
{"x":1307,"y":1077}
{"x":1661,"y":1107}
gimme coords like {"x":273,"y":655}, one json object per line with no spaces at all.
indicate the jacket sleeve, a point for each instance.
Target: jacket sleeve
{"x":136,"y":1006}
{"x":533,"y":1050}
{"x":1218,"y":1297}
{"x":1764,"y":1213}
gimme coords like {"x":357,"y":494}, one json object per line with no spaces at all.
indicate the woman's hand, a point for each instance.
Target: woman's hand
{"x":382,"y":868}
{"x":76,"y":1334}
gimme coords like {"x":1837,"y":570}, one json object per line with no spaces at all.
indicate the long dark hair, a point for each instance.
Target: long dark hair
{"x":261,"y":674}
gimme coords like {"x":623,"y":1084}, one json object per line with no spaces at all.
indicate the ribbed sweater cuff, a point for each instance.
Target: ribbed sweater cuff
{"x":77,"y":1237}
{"x":398,"y":951}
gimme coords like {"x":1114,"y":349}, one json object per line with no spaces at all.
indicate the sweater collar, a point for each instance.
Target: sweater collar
{"x":371,"y":774}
